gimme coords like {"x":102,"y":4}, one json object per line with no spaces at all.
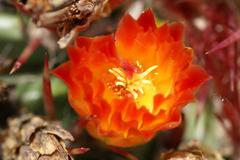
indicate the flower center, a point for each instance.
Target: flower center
{"x":139,"y":86}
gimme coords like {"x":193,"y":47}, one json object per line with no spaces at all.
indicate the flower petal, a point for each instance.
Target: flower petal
{"x":126,"y":34}
{"x":147,"y":20}
{"x":193,"y":77}
{"x":84,"y":42}
{"x":62,"y":72}
{"x":176,"y":30}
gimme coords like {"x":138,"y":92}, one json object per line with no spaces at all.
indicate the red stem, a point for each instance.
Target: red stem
{"x":77,"y":151}
{"x":47,"y":91}
{"x":226,"y":42}
{"x":27,"y":52}
{"x":123,"y":153}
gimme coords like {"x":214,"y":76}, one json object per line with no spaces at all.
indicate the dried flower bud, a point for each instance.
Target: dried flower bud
{"x":32,"y":138}
{"x":192,"y":151}
{"x":67,"y":17}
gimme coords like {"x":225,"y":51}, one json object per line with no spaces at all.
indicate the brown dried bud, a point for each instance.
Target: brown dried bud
{"x":32,"y":138}
{"x":67,"y":17}
{"x":192,"y":151}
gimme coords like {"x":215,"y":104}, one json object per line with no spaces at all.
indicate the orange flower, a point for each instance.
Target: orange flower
{"x":134,"y":84}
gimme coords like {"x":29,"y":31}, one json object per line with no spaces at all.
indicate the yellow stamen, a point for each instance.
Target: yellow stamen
{"x":137,"y":85}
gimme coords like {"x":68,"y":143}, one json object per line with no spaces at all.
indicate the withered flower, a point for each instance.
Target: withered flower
{"x":67,"y":17}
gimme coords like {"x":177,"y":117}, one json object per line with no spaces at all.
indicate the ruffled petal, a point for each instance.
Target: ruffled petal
{"x":147,"y":20}
{"x":126,"y":34}
{"x":83,"y":42}
{"x":176,"y":31}
{"x":192,"y":78}
{"x":62,"y":72}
